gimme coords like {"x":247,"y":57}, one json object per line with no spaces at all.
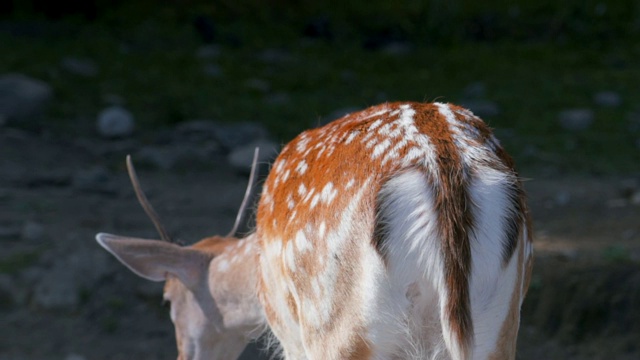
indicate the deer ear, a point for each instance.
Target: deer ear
{"x":154,"y":259}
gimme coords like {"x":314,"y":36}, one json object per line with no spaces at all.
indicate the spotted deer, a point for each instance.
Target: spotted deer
{"x":397,"y":232}
{"x":210,"y":285}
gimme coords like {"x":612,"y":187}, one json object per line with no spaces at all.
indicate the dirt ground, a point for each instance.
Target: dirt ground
{"x":584,"y":302}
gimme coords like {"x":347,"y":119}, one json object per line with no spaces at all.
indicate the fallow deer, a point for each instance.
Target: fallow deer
{"x":397,"y":232}
{"x":210,"y":285}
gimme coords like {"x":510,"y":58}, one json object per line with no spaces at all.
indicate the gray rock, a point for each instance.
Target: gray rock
{"x":241,"y":158}
{"x":562,"y":198}
{"x":79,"y":66}
{"x":212,"y":70}
{"x":115,"y":121}
{"x":576,"y":119}
{"x":32,"y":231}
{"x":60,"y":287}
{"x":228,"y":136}
{"x":607,"y":99}
{"x":208,"y":52}
{"x":231,"y":136}
{"x":482,"y":108}
{"x":182,"y":155}
{"x":22,"y":97}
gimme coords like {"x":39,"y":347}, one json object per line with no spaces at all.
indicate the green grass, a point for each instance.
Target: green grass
{"x":19,"y":261}
{"x":153,"y":67}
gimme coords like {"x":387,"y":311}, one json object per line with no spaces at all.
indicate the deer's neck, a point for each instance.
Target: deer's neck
{"x":233,"y":283}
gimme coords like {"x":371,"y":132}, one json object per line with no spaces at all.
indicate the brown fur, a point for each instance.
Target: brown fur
{"x":455,"y":219}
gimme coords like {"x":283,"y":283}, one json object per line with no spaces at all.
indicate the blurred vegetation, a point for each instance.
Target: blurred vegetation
{"x":288,"y":64}
{"x":18,"y":261}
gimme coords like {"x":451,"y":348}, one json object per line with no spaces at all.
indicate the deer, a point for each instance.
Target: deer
{"x":397,"y":232}
{"x":209,"y":286}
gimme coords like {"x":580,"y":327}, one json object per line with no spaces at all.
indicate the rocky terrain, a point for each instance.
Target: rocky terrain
{"x":64,"y":297}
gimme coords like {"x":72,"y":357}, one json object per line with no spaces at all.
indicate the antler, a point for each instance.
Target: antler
{"x":144,"y":202}
{"x":246,"y":193}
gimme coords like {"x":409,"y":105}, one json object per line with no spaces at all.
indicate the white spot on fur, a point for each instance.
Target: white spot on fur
{"x":309,"y":195}
{"x":279,"y":166}
{"x":393,"y":153}
{"x":375,"y":114}
{"x":322,"y":229}
{"x":290,"y":202}
{"x":314,"y":200}
{"x":321,"y":151}
{"x":328,"y":193}
{"x":350,"y":184}
{"x":384,"y":130}
{"x":302,"y":243}
{"x":302,"y":143}
{"x":351,"y":136}
{"x":302,"y":167}
{"x":380,"y":148}
{"x":302,"y":190}
{"x":290,"y":257}
{"x":374,"y":125}
{"x":368,"y":137}
{"x":247,"y":248}
{"x":267,"y":200}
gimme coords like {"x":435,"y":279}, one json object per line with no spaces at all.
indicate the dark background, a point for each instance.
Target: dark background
{"x":196,"y":84}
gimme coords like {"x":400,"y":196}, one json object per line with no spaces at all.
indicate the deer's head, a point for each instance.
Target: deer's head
{"x":210,"y":285}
